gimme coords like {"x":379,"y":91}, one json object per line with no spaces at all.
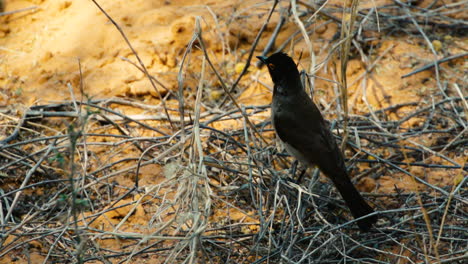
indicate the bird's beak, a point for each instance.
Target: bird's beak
{"x":262,"y":59}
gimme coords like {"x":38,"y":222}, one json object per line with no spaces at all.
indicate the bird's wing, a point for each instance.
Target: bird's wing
{"x":304,"y":129}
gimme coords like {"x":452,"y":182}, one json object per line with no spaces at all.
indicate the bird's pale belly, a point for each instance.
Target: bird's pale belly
{"x":295,"y":153}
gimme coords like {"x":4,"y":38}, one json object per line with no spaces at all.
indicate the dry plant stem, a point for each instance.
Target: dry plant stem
{"x":202,"y":222}
{"x":445,"y":100}
{"x":123,"y":131}
{"x":327,"y":58}
{"x":202,"y":44}
{"x":23,"y":159}
{"x":138,"y":58}
{"x":361,"y":245}
{"x":307,"y":41}
{"x":465,"y":103}
{"x":83,"y":133}
{"x":193,"y":191}
{"x":368,"y":105}
{"x":272,"y":40}
{"x":196,"y":123}
{"x":247,"y":64}
{"x":73,"y":99}
{"x":15,"y":133}
{"x":366,"y":18}
{"x":152,"y":77}
{"x":347,"y":29}
{"x":130,"y":212}
{"x":255,"y":200}
{"x":35,"y":114}
{"x":126,"y":102}
{"x":18,"y":11}
{"x":56,"y":241}
{"x":444,"y":217}
{"x":376,"y":122}
{"x":370,"y":68}
{"x":180,"y":75}
{"x":75,"y":131}
{"x":157,"y":158}
{"x":225,"y":46}
{"x":412,"y":164}
{"x":27,"y":178}
{"x":433,"y":64}
{"x":106,"y":101}
{"x":319,"y":11}
{"x":461,"y":199}
{"x":231,"y":112}
{"x":307,"y":256}
{"x":176,"y":118}
{"x":429,"y":43}
{"x":426,"y":218}
{"x":124,"y":117}
{"x":248,"y":146}
{"x":11,"y":246}
{"x":463,"y":133}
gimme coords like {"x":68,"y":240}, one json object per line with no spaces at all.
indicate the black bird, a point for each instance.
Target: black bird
{"x":305,"y":134}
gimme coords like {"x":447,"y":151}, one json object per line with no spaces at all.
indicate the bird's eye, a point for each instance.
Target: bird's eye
{"x":271,"y":66}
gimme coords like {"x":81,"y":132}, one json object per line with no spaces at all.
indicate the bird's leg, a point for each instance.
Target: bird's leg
{"x":293,"y":168}
{"x":314,"y":178}
{"x":299,"y":179}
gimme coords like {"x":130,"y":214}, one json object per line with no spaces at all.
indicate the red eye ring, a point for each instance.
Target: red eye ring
{"x":271,"y":66}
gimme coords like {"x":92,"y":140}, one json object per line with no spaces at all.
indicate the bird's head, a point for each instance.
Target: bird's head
{"x":282,"y":68}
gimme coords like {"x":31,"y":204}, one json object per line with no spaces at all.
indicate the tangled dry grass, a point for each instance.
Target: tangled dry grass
{"x":62,"y":160}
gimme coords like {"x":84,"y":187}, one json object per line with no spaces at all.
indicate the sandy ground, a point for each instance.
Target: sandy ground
{"x":60,"y":50}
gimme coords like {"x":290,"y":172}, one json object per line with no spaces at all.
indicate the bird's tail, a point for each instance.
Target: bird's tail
{"x":357,"y":205}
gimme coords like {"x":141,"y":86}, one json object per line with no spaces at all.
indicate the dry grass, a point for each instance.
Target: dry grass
{"x":68,"y":205}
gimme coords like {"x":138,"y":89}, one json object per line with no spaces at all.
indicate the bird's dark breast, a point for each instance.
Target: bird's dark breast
{"x":301,"y":128}
{"x":287,"y":119}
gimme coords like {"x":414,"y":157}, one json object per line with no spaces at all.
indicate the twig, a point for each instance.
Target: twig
{"x":272,"y":40}
{"x":18,"y":11}
{"x":138,"y":58}
{"x":249,"y":58}
{"x":27,"y":178}
{"x":433,"y":64}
